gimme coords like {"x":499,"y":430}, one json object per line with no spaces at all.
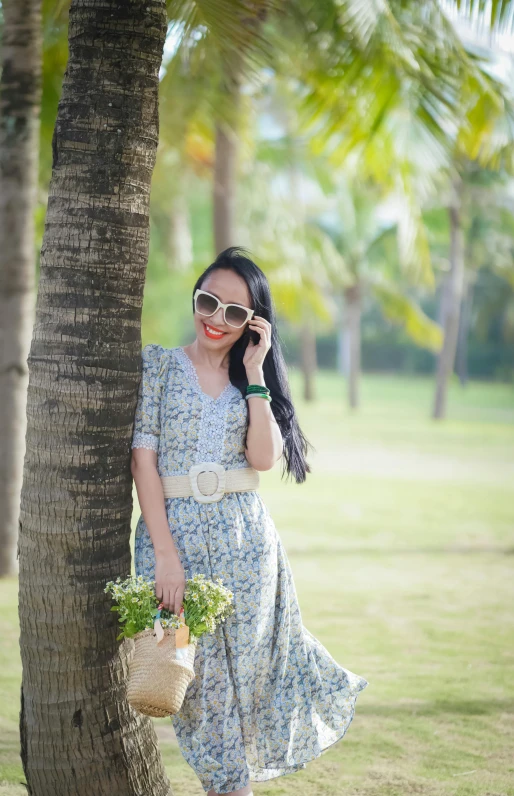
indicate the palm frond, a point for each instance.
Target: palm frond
{"x":233,"y":28}
{"x":494,"y":15}
{"x":403,"y":311}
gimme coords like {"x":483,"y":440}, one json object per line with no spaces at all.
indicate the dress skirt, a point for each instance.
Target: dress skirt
{"x":267,"y":696}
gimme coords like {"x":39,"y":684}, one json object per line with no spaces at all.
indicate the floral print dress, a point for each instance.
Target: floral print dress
{"x":267,"y":697}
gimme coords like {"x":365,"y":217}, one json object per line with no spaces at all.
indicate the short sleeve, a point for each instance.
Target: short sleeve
{"x":147,"y":420}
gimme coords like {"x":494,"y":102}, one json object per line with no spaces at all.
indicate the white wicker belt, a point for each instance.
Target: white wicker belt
{"x":207,"y":482}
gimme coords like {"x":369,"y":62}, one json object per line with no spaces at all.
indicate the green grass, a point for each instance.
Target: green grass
{"x":401,"y":543}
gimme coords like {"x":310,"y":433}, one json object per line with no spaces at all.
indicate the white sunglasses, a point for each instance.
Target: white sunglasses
{"x":233,"y":314}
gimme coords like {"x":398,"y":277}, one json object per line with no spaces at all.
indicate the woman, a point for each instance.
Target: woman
{"x":267,"y":696}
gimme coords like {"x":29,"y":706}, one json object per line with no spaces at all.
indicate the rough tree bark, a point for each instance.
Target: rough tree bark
{"x":451,"y":304}
{"x":20,"y":100}
{"x":352,"y":333}
{"x":78,"y":734}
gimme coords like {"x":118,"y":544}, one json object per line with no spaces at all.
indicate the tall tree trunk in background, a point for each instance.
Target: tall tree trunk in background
{"x":352,"y":331}
{"x":307,"y":333}
{"x":309,"y":362}
{"x":180,"y":241}
{"x":461,"y":364}
{"x":450,"y":304}
{"x":78,"y":734}
{"x":340,"y":335}
{"x":226,"y":148}
{"x":20,"y":100}
{"x":225,"y":167}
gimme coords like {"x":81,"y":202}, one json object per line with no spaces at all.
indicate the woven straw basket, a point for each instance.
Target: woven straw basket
{"x":159,"y":673}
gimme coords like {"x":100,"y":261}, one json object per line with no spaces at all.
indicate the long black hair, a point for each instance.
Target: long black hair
{"x":296,"y":445}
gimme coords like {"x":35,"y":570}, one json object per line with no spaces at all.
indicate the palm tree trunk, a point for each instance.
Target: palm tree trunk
{"x":308,"y":354}
{"x":78,"y":734}
{"x":20,"y":99}
{"x":226,"y":130}
{"x":225,"y":180}
{"x":340,"y":336}
{"x":451,"y":302}
{"x":225,"y":157}
{"x":180,"y":241}
{"x":461,"y":364}
{"x":352,"y":331}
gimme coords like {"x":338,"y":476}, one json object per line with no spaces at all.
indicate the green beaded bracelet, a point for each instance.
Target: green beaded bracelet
{"x":257,"y":388}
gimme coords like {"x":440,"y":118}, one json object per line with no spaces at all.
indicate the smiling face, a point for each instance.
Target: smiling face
{"x":229,"y":288}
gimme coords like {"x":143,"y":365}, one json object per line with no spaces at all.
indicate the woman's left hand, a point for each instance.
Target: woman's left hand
{"x":254,"y":355}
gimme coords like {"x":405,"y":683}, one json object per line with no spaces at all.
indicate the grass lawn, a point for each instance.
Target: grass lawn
{"x":401,"y":542}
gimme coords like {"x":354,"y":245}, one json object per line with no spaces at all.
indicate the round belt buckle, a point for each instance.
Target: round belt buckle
{"x":203,"y":467}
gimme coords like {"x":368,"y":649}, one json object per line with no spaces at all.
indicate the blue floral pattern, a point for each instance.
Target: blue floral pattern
{"x":267,"y":697}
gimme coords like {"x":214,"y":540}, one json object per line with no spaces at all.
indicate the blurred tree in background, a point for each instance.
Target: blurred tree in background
{"x":20,"y":98}
{"x":379,"y":94}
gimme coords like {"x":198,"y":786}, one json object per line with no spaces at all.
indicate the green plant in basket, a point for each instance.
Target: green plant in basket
{"x":206,"y":604}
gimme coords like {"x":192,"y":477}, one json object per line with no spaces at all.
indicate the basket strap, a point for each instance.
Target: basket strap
{"x":159,"y":630}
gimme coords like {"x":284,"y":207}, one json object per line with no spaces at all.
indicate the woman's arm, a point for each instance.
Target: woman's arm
{"x":150,"y":494}
{"x":169,"y":573}
{"x":264,"y":443}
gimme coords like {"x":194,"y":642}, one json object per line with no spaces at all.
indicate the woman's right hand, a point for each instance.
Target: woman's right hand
{"x":170,"y":582}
